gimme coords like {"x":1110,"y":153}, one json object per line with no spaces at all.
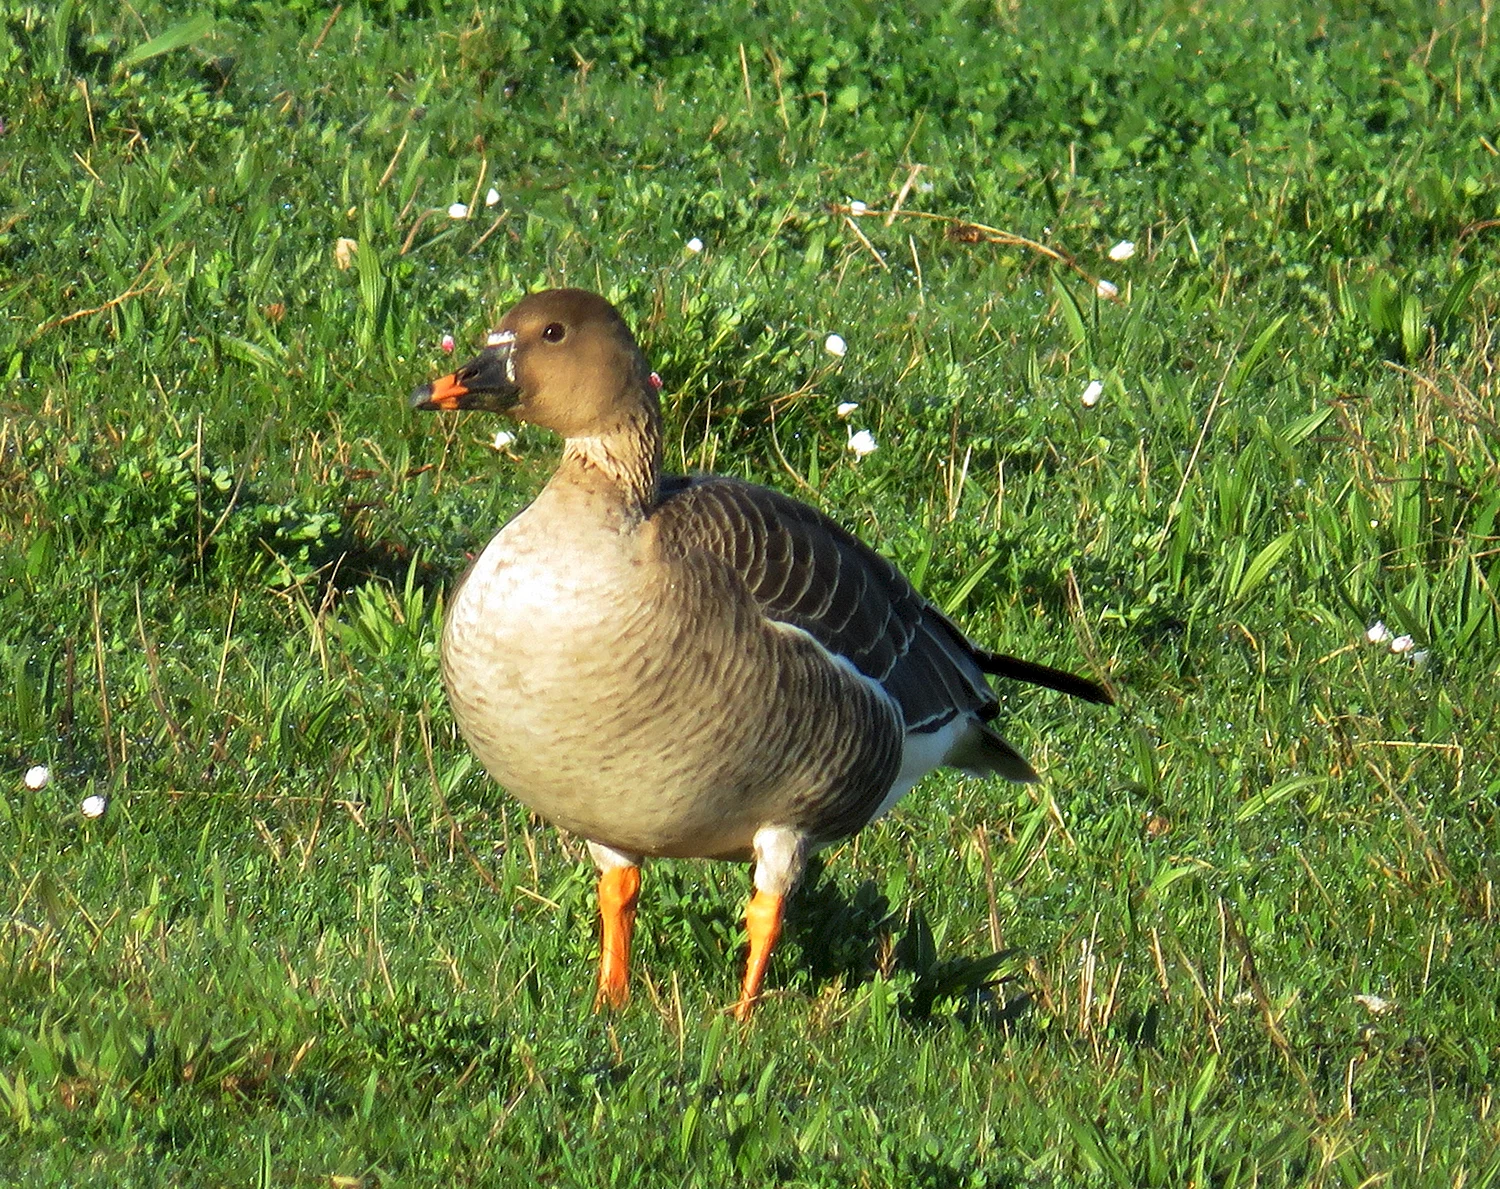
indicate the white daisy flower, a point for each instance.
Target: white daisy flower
{"x":1378,"y":632}
{"x":845,"y":408}
{"x":1123,"y":250}
{"x":695,"y":244}
{"x":503,"y":438}
{"x":856,"y":207}
{"x":458,"y":211}
{"x":834,"y":344}
{"x":1403,"y":644}
{"x":1107,"y":290}
{"x":862,"y":443}
{"x":491,"y":197}
{"x":1092,"y":393}
{"x":94,"y":806}
{"x":38,"y":776}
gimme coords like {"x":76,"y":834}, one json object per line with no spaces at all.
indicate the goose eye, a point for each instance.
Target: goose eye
{"x":554,"y":332}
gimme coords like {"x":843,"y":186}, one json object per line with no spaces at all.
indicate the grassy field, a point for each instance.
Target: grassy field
{"x":1244,"y":932}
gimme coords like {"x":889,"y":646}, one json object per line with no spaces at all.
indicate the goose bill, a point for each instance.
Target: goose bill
{"x":484,"y":383}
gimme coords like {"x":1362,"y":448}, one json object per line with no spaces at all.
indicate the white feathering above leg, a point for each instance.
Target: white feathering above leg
{"x":607,"y":858}
{"x":780,"y":859}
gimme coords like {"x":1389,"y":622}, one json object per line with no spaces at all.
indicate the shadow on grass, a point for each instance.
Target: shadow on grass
{"x":855,"y":938}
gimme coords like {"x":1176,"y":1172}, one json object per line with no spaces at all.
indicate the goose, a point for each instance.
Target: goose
{"x":675,"y":667}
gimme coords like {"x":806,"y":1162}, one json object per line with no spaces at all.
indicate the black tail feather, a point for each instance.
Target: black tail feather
{"x":1016,"y":669}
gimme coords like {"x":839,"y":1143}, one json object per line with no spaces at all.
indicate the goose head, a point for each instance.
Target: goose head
{"x":562,"y":359}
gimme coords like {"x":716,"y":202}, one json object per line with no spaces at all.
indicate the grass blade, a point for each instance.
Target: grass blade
{"x":956,"y":600}
{"x":1251,"y":359}
{"x":182,"y":34}
{"x":1304,"y":427}
{"x":1262,"y":564}
{"x":1072,"y":314}
{"x":1279,"y":791}
{"x":1457,"y":298}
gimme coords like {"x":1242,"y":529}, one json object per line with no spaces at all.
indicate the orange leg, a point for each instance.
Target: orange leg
{"x":619,"y":888}
{"x":763,"y":926}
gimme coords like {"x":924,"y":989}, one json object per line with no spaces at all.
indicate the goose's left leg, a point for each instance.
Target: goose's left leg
{"x":619,"y":887}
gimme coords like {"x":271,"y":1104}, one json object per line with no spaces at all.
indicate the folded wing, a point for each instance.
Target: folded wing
{"x":805,"y":571}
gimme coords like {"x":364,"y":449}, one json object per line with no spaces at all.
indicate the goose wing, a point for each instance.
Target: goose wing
{"x":804,"y":571}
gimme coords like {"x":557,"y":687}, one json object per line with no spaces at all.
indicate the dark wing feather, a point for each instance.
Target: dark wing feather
{"x":806,"y":571}
{"x":1064,"y":682}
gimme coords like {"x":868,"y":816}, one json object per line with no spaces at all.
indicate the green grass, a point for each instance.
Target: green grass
{"x":309,"y":944}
